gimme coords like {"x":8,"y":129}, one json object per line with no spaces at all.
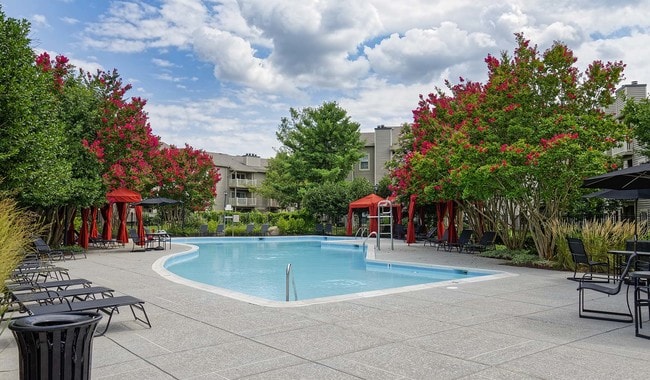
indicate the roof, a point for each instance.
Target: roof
{"x":247,"y":163}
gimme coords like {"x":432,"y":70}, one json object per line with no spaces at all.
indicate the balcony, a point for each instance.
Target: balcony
{"x":625,"y":149}
{"x":243,"y":183}
{"x":243,"y":202}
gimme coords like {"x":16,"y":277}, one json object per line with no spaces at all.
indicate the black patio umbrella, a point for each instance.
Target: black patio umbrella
{"x":158,"y":201}
{"x":634,"y":177}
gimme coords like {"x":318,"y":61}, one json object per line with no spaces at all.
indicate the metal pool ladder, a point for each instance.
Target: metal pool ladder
{"x":289,"y":274}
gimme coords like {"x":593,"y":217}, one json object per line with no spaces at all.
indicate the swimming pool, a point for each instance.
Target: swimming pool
{"x":323,"y":269}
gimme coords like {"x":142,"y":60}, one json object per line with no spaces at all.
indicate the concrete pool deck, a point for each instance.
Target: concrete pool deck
{"x":518,"y":327}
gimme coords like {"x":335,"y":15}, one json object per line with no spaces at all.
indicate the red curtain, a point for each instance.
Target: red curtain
{"x":138,"y":215}
{"x":122,"y":233}
{"x":410,"y":228}
{"x":107,"y":214}
{"x":83,"y":231}
{"x":93,"y":222}
{"x":440,"y":216}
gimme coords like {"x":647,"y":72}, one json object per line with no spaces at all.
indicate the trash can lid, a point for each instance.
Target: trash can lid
{"x":55,"y":321}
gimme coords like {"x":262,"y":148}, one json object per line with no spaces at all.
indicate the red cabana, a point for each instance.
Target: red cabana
{"x":370,"y":202}
{"x":121,"y":197}
{"x":410,"y":227}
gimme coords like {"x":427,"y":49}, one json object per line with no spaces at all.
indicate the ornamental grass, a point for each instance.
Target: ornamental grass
{"x":16,"y":228}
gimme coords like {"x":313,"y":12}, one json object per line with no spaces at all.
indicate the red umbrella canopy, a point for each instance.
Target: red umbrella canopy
{"x":123,"y":195}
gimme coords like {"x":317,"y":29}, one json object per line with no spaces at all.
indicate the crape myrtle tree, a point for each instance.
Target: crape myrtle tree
{"x":132,"y":156}
{"x":319,"y":145}
{"x":517,"y":146}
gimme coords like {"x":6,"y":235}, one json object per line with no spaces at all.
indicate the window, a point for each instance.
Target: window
{"x":364,"y":163}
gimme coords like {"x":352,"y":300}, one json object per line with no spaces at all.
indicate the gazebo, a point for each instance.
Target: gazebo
{"x":370,"y":202}
{"x":121,"y":197}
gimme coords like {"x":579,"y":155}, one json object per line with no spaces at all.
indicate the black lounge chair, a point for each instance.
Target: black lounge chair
{"x":486,"y":242}
{"x":464,"y":239}
{"x":33,"y":274}
{"x":49,"y":296}
{"x":41,"y":286}
{"x":44,"y":251}
{"x":203,"y":230}
{"x":442,"y":242}
{"x":221,"y":230}
{"x":580,"y":257}
{"x":143,"y":243}
{"x":249,"y":228}
{"x":586,"y":284}
{"x":320,"y":229}
{"x":430,"y":237}
{"x":327,"y":230}
{"x":106,"y":305}
{"x":264,"y":230}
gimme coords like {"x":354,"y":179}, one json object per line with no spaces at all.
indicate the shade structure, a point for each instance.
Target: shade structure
{"x":370,"y":202}
{"x":410,"y":228}
{"x":158,"y":201}
{"x":630,"y":195}
{"x":83,"y":230}
{"x":634,"y":177}
{"x":121,"y":197}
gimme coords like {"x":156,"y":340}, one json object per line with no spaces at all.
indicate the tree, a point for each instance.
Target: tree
{"x":521,"y":143}
{"x":332,"y":199}
{"x":637,"y":116}
{"x":320,"y":145}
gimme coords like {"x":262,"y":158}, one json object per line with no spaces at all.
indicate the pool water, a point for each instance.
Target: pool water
{"x":257,"y":267}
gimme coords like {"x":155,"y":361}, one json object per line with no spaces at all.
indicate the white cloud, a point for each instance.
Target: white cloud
{"x":39,"y":20}
{"x":162,"y":63}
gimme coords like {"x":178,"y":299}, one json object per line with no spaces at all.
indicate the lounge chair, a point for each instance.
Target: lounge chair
{"x":48,"y":296}
{"x":33,"y":274}
{"x":431,"y":236}
{"x":464,"y":239}
{"x":264,"y":230}
{"x":203,"y":230}
{"x":44,"y":250}
{"x":580,"y":257}
{"x":107,"y":305}
{"x":327,"y":230}
{"x":249,"y":228}
{"x":320,"y":230}
{"x":442,"y":242}
{"x":586,"y":284}
{"x":486,"y":242}
{"x":398,"y":231}
{"x":221,"y":230}
{"x":41,"y":286}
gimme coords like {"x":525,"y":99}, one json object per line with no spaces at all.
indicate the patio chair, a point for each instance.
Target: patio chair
{"x":49,"y":296}
{"x":442,"y":242}
{"x":108,"y":305}
{"x":264,"y":230}
{"x":320,"y":229}
{"x":249,"y":228}
{"x":464,"y":239}
{"x":398,"y":231}
{"x":44,"y":250}
{"x":580,"y":257}
{"x":430,"y":236}
{"x":221,"y":230}
{"x":327,"y":230}
{"x":614,"y":316}
{"x":144,"y":243}
{"x":203,"y":230}
{"x":486,"y":242}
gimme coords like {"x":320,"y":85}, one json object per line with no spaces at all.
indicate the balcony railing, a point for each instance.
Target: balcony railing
{"x":243,"y":183}
{"x":627,"y":148}
{"x":243,"y":202}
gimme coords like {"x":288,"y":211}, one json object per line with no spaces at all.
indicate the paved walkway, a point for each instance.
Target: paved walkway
{"x":520,"y":327}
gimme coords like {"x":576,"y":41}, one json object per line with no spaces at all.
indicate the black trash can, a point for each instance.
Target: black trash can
{"x":55,"y":346}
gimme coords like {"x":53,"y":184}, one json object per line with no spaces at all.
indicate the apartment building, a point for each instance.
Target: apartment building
{"x":240,"y":175}
{"x":379,"y":146}
{"x":629,"y":152}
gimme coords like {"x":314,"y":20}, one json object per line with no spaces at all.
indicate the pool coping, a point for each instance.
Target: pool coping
{"x":159,"y":267}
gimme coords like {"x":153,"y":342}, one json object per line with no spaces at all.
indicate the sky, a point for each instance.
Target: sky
{"x":220,"y":75}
